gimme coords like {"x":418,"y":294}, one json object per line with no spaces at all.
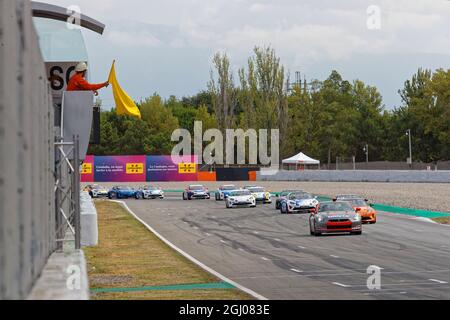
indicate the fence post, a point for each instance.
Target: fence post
{"x":76,"y":191}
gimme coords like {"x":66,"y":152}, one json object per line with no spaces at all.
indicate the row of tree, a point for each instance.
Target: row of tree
{"x":325,"y":119}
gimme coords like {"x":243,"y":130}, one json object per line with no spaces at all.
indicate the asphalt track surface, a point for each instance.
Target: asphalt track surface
{"x":275,"y":256}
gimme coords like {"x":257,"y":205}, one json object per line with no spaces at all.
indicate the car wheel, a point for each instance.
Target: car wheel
{"x":112,"y":195}
{"x":184,"y":196}
{"x":277,"y":206}
{"x":358,"y":233}
{"x":139,"y":196}
{"x":283,"y":208}
{"x":217,"y":197}
{"x":316,"y":233}
{"x":310,"y":228}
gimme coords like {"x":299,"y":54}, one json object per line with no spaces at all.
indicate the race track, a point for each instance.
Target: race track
{"x":274,"y":255}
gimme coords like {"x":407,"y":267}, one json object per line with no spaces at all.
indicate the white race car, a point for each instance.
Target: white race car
{"x":299,"y":202}
{"x":150,"y":192}
{"x":260,"y":194}
{"x":97,"y":191}
{"x":239,"y":198}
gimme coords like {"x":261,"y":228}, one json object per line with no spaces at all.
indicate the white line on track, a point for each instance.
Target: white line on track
{"x":296,"y":270}
{"x":208,"y":234}
{"x":301,"y":247}
{"x":333,"y":256}
{"x":222,"y":241}
{"x":341,"y":285}
{"x":278,"y":240}
{"x":240,"y":249}
{"x":438,"y":281}
{"x":265,"y":259}
{"x":255,"y":232}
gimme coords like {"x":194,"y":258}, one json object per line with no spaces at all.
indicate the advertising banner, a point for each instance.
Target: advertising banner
{"x":87,"y":169}
{"x":120,"y":169}
{"x":164,"y":169}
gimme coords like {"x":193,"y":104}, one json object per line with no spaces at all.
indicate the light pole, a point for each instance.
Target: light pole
{"x":408,"y":133}
{"x":366,"y":150}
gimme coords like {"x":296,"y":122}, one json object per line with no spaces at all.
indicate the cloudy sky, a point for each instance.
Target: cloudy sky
{"x":167,"y":46}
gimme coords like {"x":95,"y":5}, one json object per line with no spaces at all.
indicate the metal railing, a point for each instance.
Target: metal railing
{"x":67,"y":192}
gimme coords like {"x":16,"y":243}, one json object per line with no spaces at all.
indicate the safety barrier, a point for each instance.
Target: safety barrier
{"x":27,"y":204}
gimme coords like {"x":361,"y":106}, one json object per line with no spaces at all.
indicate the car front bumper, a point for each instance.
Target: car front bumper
{"x":199,"y":195}
{"x":340,"y":227}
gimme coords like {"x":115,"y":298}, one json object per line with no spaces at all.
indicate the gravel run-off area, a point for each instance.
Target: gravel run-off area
{"x":434,"y":197}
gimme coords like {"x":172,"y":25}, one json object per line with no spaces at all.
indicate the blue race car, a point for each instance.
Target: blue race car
{"x":119,"y":192}
{"x":224,"y":192}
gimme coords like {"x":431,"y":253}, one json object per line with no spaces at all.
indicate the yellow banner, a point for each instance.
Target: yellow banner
{"x":135,"y":168}
{"x":187,"y":168}
{"x":86,"y":168}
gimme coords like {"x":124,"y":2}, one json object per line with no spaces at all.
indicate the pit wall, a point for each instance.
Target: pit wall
{"x":27,"y":214}
{"x":358,"y":176}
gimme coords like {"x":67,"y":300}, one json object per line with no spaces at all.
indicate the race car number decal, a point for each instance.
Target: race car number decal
{"x":187,"y":168}
{"x":135,"y":168}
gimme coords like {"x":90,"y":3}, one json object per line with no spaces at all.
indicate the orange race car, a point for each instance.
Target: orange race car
{"x":361,"y":205}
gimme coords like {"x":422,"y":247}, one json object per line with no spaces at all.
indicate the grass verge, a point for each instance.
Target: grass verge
{"x":130,"y":256}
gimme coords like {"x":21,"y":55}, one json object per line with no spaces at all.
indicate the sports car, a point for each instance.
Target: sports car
{"x":121,"y":192}
{"x":224,"y":192}
{"x":196,"y":192}
{"x":149,"y":192}
{"x":96,"y":191}
{"x":335,"y":217}
{"x":298,"y":202}
{"x":240,"y":198}
{"x":260,"y":194}
{"x":368,"y":214}
{"x":283,"y":195}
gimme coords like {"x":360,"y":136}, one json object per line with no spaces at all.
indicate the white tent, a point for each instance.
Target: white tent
{"x":301,"y":159}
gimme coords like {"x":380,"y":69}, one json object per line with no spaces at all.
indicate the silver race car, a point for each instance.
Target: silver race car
{"x":335,"y":217}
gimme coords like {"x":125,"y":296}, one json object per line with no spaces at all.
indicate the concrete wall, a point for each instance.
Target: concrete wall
{"x":359,"y":176}
{"x":26,"y":154}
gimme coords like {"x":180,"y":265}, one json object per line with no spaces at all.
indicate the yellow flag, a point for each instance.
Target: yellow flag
{"x":124,"y":104}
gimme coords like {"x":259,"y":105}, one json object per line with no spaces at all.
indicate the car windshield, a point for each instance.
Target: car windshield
{"x":359,"y":203}
{"x":256,"y":189}
{"x":347,"y":197}
{"x":300,"y":196}
{"x":240,"y":193}
{"x":335,"y":207}
{"x":126,"y":188}
{"x":196,"y":188}
{"x":228,"y":188}
{"x":287,"y":192}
